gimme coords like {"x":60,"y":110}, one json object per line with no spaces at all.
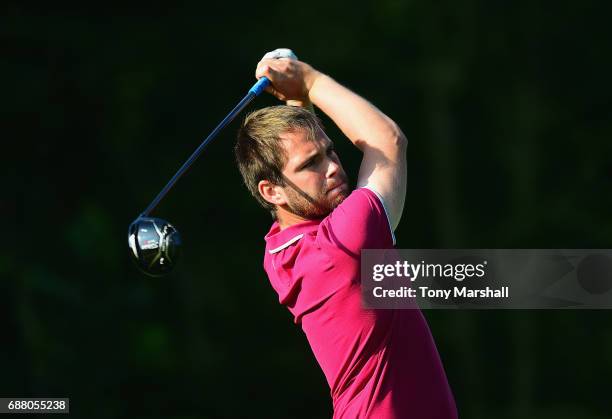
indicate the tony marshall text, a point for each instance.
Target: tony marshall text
{"x":426,"y":292}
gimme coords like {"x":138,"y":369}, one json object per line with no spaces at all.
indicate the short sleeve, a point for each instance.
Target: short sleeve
{"x":359,"y":222}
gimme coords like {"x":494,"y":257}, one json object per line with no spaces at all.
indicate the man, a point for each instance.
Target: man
{"x":378,"y":363}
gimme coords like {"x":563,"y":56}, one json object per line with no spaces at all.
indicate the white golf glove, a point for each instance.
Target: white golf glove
{"x":280,"y":53}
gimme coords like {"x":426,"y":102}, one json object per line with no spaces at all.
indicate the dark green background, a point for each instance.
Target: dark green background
{"x":507,"y":109}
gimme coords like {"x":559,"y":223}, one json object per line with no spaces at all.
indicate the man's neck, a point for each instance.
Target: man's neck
{"x":287,"y":219}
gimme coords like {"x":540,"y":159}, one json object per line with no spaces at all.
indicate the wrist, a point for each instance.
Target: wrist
{"x":318,"y":86}
{"x":310,"y":78}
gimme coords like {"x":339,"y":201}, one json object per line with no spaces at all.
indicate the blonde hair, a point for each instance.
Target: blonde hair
{"x":259,"y":152}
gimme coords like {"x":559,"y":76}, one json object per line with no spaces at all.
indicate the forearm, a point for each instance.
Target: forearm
{"x":364,"y":124}
{"x":379,"y":138}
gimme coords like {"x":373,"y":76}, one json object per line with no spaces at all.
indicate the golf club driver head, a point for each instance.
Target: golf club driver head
{"x":154,"y":245}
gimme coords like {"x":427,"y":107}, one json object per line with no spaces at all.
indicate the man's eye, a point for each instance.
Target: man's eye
{"x":309,"y":163}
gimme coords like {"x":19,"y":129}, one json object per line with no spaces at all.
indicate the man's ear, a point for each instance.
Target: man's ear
{"x":272,"y":193}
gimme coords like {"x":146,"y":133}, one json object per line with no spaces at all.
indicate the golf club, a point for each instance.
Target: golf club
{"x":154,"y":243}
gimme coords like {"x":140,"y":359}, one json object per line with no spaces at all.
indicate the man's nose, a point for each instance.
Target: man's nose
{"x":332,"y":168}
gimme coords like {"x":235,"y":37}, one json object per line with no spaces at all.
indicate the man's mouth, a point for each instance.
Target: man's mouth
{"x":339,"y":185}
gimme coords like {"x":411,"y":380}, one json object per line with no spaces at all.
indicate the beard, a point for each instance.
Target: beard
{"x":314,"y":207}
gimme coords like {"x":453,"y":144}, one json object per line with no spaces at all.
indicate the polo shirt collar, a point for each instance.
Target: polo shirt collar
{"x":277,"y":239}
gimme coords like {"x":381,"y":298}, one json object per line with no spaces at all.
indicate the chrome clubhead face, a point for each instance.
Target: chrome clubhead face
{"x":154,"y":245}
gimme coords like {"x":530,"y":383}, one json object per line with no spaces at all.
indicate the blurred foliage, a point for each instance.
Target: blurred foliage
{"x":507,"y":108}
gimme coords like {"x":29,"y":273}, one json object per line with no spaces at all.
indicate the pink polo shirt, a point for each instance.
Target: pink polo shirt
{"x":378,"y":363}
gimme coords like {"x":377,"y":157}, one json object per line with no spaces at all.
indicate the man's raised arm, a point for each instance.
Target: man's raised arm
{"x":382,"y":142}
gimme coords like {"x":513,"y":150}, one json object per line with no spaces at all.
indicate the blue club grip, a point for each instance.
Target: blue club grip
{"x":259,"y":87}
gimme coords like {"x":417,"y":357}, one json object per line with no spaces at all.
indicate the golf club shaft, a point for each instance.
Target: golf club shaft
{"x":253,"y":92}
